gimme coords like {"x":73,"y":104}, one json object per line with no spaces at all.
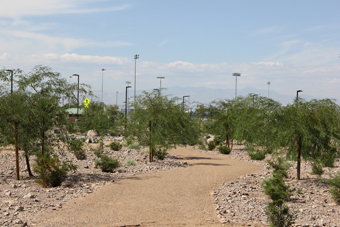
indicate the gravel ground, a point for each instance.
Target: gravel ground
{"x":243,"y":201}
{"x":21,"y":200}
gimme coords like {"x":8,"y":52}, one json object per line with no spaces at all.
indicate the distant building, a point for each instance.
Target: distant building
{"x":72,"y":113}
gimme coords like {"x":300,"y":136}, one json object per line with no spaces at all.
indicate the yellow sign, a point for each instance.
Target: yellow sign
{"x":86,"y":101}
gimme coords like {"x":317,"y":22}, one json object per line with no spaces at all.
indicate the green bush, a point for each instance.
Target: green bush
{"x":224,"y":149}
{"x":278,"y":214}
{"x":51,"y":171}
{"x":116,"y":146}
{"x":129,"y":141}
{"x":99,"y":153}
{"x":334,"y":187}
{"x":160,"y":153}
{"x":76,"y":148}
{"x":259,"y":155}
{"x":130,"y":163}
{"x":317,"y":169}
{"x":107,"y":164}
{"x":211,"y":145}
{"x":202,"y":147}
{"x":134,"y":146}
{"x":217,"y":140}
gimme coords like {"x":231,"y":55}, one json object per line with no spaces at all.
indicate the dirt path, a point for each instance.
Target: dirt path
{"x":180,"y":197}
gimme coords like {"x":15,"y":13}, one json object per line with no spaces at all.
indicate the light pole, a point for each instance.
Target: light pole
{"x":11,"y":71}
{"x":157,"y":91}
{"x":116,"y":98}
{"x":160,"y":84}
{"x":15,"y":133}
{"x":297,"y":94}
{"x":78,"y":95}
{"x":268,"y":87}
{"x":183,"y":100}
{"x":298,"y":167}
{"x":136,"y":57}
{"x":236,"y":75}
{"x":254,"y":98}
{"x":103,"y":85}
{"x":126,"y":100}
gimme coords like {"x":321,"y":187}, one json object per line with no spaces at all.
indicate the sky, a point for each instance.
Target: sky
{"x":294,"y":45}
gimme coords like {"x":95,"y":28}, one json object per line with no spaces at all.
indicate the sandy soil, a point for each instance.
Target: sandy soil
{"x":180,"y":197}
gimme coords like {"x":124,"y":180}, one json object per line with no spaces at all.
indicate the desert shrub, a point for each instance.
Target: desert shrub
{"x":115,"y":146}
{"x":113,"y":133}
{"x":211,"y":145}
{"x":202,"y":147}
{"x":224,"y":149}
{"x":134,"y":146}
{"x":217,"y":140}
{"x":99,"y":153}
{"x":130,"y":163}
{"x":258,"y":155}
{"x":107,"y":164}
{"x":76,"y":148}
{"x":129,"y":141}
{"x":334,"y":187}
{"x":160,"y":153}
{"x":279,"y":215}
{"x":317,"y":168}
{"x":51,"y":171}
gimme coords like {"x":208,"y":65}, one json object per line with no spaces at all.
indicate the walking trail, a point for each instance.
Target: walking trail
{"x":180,"y":197}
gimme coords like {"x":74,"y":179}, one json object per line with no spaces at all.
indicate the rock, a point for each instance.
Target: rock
{"x":18,"y":222}
{"x":19,"y":208}
{"x":91,"y":133}
{"x":29,"y":196}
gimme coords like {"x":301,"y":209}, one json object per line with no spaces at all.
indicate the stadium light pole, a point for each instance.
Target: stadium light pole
{"x":160,"y":84}
{"x":136,"y":57}
{"x":78,"y":95}
{"x":268,"y":83}
{"x":11,"y":71}
{"x":236,"y":75}
{"x":103,"y":85}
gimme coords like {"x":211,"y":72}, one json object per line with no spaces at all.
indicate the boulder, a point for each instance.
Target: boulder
{"x":91,"y":133}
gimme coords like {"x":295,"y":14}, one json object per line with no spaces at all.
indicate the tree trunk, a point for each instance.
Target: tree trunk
{"x":227,"y":136}
{"x":43,"y":138}
{"x":16,"y":150}
{"x":28,"y":164}
{"x":299,"y":157}
{"x":150,"y":149}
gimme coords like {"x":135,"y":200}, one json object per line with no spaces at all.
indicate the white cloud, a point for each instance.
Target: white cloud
{"x":268,"y":30}
{"x":21,"y":8}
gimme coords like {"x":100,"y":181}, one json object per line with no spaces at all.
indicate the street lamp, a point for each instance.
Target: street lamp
{"x":157,"y":91}
{"x":126,"y":100}
{"x":103,"y":85}
{"x":236,"y":75}
{"x":268,"y":88}
{"x":78,"y":95}
{"x":254,"y":97}
{"x":160,"y":84}
{"x":183,"y":100}
{"x":297,"y":94}
{"x":136,"y":57}
{"x":15,"y":133}
{"x":116,"y":98}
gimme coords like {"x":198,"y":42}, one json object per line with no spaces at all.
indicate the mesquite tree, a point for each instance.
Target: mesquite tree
{"x":160,"y":123}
